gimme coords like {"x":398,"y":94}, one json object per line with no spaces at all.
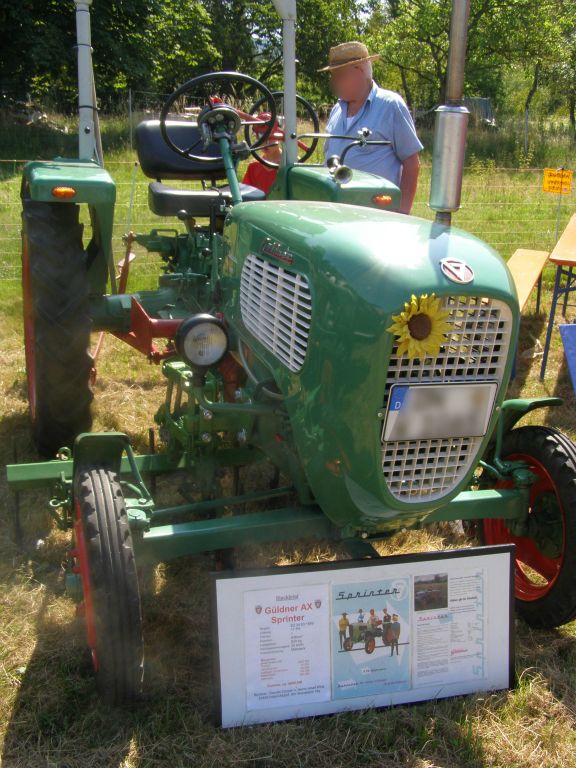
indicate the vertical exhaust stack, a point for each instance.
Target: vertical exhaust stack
{"x":451,"y":124}
{"x":89,"y":143}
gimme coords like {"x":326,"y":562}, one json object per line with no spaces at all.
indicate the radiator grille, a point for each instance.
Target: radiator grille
{"x":276,"y":308}
{"x":476,"y":350}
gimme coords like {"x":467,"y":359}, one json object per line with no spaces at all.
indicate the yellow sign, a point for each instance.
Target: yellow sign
{"x":557,"y":180}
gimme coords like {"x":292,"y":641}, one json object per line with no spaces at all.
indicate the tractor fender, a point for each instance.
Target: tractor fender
{"x":77,"y":182}
{"x":102,"y":449}
{"x":511,"y":411}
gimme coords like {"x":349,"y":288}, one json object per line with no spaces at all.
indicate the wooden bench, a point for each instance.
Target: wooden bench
{"x":564,"y":258}
{"x":526,"y":267}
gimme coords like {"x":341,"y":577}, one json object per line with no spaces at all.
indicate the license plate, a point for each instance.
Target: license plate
{"x":428,"y":411}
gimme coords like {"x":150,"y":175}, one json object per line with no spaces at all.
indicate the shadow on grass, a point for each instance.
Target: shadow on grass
{"x":57,"y":718}
{"x":531,"y":327}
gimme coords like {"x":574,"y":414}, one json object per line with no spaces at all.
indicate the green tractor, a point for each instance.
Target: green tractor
{"x":363,"y":354}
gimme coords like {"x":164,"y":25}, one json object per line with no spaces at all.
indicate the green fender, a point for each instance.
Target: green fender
{"x":511,"y":411}
{"x":91,"y":185}
{"x":514,"y":410}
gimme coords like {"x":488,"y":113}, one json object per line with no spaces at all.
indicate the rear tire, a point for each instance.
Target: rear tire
{"x":57,"y":324}
{"x":545,"y":573}
{"x":105,"y":561}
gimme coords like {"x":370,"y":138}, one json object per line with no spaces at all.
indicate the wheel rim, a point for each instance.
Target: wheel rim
{"x":370,"y":645}
{"x":529,"y":557}
{"x":29,"y":339}
{"x":84,"y":572}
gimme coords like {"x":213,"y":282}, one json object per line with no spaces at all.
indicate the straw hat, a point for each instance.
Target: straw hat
{"x":345,"y":54}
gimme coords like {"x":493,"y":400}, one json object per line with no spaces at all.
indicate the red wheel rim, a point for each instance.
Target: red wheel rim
{"x":29,"y":350}
{"x":370,"y":645}
{"x":527,"y":553}
{"x":84,"y":571}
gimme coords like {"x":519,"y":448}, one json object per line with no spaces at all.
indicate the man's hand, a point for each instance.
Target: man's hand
{"x":409,"y":182}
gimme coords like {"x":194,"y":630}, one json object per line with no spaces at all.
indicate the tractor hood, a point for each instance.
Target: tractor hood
{"x":311,"y":287}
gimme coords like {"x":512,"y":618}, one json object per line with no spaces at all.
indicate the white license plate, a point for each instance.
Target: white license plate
{"x":428,"y":411}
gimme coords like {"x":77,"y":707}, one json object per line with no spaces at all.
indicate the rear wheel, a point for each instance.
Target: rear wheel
{"x":545,"y":573}
{"x":55,"y":291}
{"x":106,"y":564}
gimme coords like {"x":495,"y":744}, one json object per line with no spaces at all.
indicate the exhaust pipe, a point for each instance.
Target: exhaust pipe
{"x":451,"y":124}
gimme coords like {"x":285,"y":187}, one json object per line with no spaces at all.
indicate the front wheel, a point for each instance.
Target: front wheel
{"x":370,"y":644}
{"x":545,"y":567}
{"x":105,"y":561}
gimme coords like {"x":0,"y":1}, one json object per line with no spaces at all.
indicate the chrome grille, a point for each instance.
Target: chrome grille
{"x":276,"y":308}
{"x":476,"y":350}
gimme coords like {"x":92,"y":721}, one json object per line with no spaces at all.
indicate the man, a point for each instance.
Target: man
{"x":363,"y":104}
{"x":343,"y":628}
{"x":394,"y":634}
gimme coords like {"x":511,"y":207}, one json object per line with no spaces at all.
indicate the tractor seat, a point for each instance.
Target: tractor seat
{"x":159,"y":162}
{"x":169,"y":201}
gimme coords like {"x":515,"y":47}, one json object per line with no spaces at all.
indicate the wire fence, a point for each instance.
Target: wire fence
{"x":505,"y":207}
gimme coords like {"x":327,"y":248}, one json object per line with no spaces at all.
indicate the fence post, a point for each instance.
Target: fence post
{"x":130,"y":114}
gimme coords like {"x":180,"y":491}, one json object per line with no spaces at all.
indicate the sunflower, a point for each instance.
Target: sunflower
{"x":421,"y":327}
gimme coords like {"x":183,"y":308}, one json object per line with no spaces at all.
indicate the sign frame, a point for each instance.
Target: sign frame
{"x":236,"y":699}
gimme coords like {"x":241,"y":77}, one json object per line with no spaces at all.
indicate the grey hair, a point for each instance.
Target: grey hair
{"x":367,"y":69}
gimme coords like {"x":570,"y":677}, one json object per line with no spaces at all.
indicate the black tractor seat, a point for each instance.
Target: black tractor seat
{"x":169,"y":201}
{"x":159,"y":162}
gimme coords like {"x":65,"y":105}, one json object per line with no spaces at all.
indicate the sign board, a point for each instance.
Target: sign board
{"x":313,"y":640}
{"x":557,"y":180}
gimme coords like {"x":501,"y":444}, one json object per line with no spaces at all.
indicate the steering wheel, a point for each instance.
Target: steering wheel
{"x":217,"y":115}
{"x":306,"y":113}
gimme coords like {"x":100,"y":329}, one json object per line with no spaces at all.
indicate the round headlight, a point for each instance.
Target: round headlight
{"x":202,"y":340}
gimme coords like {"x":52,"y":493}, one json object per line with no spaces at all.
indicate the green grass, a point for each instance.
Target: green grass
{"x":50,"y":716}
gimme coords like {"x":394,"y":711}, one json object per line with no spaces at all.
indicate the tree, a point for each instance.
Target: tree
{"x":413,"y":38}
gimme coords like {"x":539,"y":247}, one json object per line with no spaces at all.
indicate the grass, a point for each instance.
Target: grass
{"x":50,"y":716}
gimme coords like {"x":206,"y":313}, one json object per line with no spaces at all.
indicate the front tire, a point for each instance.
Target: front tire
{"x":545,"y":572}
{"x":105,"y":561}
{"x":55,"y":289}
{"x":370,"y":644}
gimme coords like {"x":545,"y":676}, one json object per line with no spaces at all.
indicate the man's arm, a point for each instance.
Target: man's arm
{"x":409,"y":182}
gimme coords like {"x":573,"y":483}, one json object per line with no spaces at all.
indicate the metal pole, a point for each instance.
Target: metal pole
{"x":287,"y":11}
{"x":87,"y":140}
{"x":130,"y":114}
{"x":457,"y":51}
{"x":451,"y":124}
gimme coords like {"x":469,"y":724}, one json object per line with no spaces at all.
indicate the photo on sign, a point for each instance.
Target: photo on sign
{"x":370,"y":637}
{"x":431,"y":592}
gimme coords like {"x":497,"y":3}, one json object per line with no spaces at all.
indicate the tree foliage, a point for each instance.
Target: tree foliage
{"x":157,"y":44}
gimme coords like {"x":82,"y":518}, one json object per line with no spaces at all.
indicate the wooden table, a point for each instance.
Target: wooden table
{"x":564,"y":257}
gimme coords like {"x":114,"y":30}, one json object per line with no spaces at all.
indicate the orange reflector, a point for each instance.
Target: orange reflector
{"x":63,"y":192}
{"x":382,"y":200}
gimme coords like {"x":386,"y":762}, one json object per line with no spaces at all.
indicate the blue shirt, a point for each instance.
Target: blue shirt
{"x":387,"y":117}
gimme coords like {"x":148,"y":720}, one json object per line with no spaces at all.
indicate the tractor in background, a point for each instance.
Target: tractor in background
{"x":363,"y":354}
